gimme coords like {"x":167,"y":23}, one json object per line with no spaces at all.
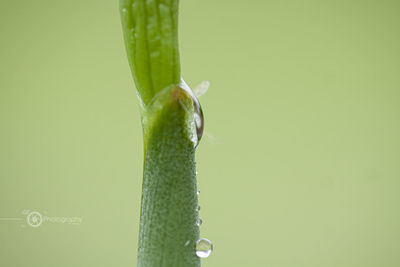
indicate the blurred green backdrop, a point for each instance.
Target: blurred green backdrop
{"x":300,"y":162}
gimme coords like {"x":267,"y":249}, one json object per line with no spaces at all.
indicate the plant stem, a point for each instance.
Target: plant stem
{"x":168,"y":230}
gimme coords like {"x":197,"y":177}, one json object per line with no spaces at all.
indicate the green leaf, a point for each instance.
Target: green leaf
{"x":150,"y":30}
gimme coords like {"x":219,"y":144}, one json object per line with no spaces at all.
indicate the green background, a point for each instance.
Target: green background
{"x":299,"y":164}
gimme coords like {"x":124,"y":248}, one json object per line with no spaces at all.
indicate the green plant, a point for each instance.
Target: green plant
{"x":172,"y":126}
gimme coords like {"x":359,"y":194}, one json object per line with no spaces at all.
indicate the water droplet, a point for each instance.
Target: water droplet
{"x":198,"y":116}
{"x":198,"y":208}
{"x":198,"y":192}
{"x":204,"y":248}
{"x":199,"y":222}
{"x":198,"y":120}
{"x":187,"y":243}
{"x":124,"y":10}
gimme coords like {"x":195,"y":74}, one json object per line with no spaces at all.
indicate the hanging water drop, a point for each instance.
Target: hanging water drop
{"x":198,"y":115}
{"x":204,"y":248}
{"x":198,"y":119}
{"x":198,"y":192}
{"x":199,"y":222}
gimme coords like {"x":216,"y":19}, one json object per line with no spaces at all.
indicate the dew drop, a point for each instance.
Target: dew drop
{"x":199,"y":222}
{"x":124,"y":10}
{"x":198,"y":192}
{"x":198,"y":208}
{"x":204,"y":248}
{"x":198,"y":116}
{"x":187,"y":243}
{"x":198,"y":119}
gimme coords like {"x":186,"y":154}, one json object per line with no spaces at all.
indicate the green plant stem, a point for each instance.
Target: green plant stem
{"x":168,"y":230}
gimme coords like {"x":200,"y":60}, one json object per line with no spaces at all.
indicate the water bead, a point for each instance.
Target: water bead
{"x":198,"y":115}
{"x":204,"y":247}
{"x":199,"y":222}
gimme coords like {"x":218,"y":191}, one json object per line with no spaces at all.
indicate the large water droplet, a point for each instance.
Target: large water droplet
{"x":198,"y":112}
{"x":199,"y":221}
{"x":204,"y":248}
{"x":198,"y":119}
